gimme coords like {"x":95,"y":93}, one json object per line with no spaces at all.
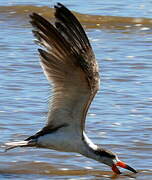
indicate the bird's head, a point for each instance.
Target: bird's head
{"x":109,"y":158}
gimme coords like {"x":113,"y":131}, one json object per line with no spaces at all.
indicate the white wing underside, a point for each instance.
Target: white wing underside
{"x":70,"y":65}
{"x":70,"y":97}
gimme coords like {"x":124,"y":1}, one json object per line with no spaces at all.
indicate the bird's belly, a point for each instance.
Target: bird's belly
{"x":61,"y":142}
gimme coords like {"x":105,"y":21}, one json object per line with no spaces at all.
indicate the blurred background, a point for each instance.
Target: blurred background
{"x":120,"y":117}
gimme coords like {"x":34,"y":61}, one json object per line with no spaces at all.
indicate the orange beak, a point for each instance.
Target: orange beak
{"x":123,"y":165}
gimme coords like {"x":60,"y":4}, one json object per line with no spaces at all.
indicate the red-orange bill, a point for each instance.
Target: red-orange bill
{"x":123,"y":165}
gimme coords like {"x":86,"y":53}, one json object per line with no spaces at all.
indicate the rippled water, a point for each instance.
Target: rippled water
{"x":120,"y":117}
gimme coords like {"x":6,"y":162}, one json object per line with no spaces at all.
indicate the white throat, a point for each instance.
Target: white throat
{"x":89,"y":142}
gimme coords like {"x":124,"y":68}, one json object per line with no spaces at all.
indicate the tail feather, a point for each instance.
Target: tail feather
{"x":12,"y":145}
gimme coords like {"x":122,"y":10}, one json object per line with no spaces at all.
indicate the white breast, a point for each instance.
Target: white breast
{"x":62,"y":140}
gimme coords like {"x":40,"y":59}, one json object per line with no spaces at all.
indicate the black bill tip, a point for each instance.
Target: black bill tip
{"x":131,"y":169}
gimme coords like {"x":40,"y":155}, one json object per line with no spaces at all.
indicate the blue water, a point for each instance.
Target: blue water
{"x":120,"y":117}
{"x":128,"y":8}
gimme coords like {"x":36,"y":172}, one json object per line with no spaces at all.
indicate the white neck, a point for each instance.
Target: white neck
{"x":97,"y":153}
{"x":89,"y":142}
{"x":88,"y":148}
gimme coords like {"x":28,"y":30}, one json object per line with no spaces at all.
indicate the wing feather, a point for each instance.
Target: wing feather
{"x":69,"y":63}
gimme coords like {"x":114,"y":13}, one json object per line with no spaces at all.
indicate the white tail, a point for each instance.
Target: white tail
{"x":12,"y":145}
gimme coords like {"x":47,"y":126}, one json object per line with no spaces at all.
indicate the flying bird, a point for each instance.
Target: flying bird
{"x":69,"y":64}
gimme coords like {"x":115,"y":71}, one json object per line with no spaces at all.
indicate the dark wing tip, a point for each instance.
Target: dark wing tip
{"x":40,"y":51}
{"x":33,"y":15}
{"x":59,"y":5}
{"x":59,"y":8}
{"x":43,"y":53}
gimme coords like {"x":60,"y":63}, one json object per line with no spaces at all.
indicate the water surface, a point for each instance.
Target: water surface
{"x":120,"y":118}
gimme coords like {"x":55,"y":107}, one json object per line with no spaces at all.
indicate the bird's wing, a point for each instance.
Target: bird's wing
{"x":69,"y":63}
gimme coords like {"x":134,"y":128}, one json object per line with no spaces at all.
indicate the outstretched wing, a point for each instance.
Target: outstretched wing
{"x":69,"y":63}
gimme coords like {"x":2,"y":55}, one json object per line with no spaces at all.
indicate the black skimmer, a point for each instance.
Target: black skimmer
{"x":69,"y":64}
